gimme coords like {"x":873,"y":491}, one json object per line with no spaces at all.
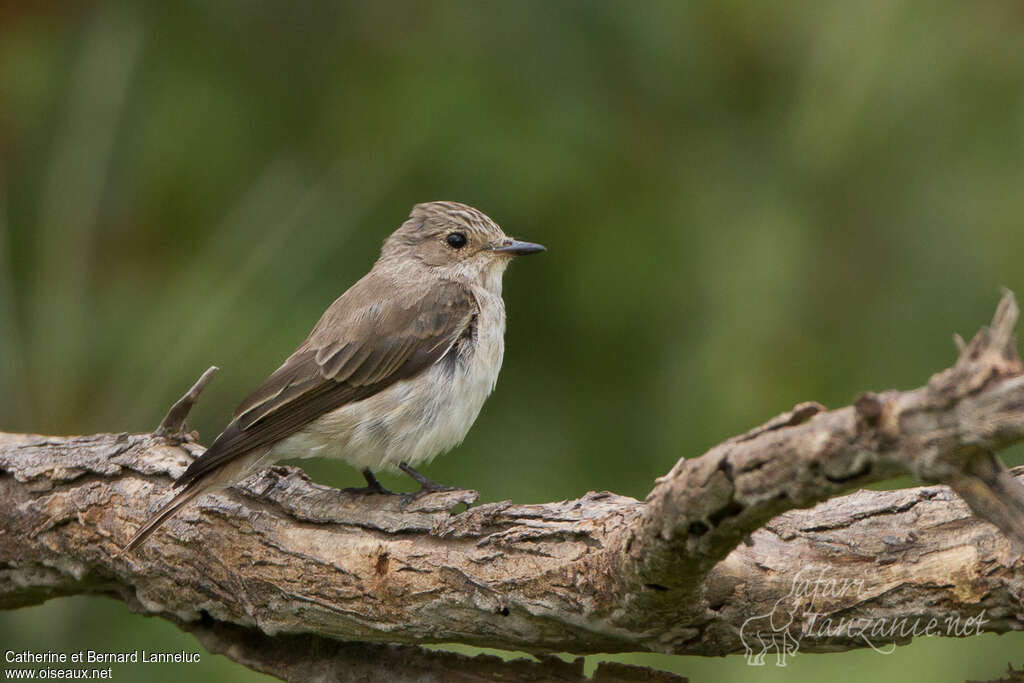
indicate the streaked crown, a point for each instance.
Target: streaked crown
{"x":454,"y":212}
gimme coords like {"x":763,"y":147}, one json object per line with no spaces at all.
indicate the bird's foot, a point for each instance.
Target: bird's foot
{"x":372,"y":488}
{"x":368,"y":491}
{"x":434,"y":497}
{"x":443,"y":498}
{"x":426,"y":485}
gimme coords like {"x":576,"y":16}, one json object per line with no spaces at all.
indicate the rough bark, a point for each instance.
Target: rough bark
{"x":720,"y":540}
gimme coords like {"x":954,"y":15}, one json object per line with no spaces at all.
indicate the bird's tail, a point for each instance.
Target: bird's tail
{"x":224,"y":474}
{"x":191,"y":490}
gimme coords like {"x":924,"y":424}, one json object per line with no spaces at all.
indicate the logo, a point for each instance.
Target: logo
{"x":770,"y":632}
{"x":808,"y":609}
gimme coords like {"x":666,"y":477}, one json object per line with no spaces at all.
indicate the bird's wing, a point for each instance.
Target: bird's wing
{"x":366,"y":341}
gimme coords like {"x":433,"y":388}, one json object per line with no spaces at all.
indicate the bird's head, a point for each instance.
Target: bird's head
{"x":456,"y":242}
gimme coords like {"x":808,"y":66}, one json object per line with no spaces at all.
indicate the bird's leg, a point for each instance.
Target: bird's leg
{"x":372,"y":487}
{"x":426,"y":485}
{"x":371,"y":482}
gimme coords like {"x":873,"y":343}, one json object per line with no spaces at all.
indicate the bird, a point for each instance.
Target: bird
{"x":394,"y":373}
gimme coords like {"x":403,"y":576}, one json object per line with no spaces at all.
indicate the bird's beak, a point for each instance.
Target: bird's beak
{"x":517,"y":248}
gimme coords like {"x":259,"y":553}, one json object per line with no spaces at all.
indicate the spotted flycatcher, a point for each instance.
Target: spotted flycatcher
{"x":394,"y":373}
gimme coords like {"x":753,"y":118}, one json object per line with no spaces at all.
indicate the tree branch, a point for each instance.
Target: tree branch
{"x":312,"y":658}
{"x":720,"y":539}
{"x":173,"y":424}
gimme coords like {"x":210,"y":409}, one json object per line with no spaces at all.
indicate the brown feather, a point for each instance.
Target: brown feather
{"x":365,"y":342}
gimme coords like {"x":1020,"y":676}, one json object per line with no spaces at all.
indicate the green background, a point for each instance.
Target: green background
{"x":746,"y":205}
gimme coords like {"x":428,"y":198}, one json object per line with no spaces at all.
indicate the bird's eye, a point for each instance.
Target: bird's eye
{"x":456,"y":240}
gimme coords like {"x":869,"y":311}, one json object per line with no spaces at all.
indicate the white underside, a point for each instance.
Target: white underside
{"x":414,"y":420}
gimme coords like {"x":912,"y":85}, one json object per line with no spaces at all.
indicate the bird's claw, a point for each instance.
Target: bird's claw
{"x":426,"y":485}
{"x":368,"y":491}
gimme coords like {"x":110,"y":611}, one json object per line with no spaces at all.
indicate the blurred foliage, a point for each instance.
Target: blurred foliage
{"x":747,"y":205}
